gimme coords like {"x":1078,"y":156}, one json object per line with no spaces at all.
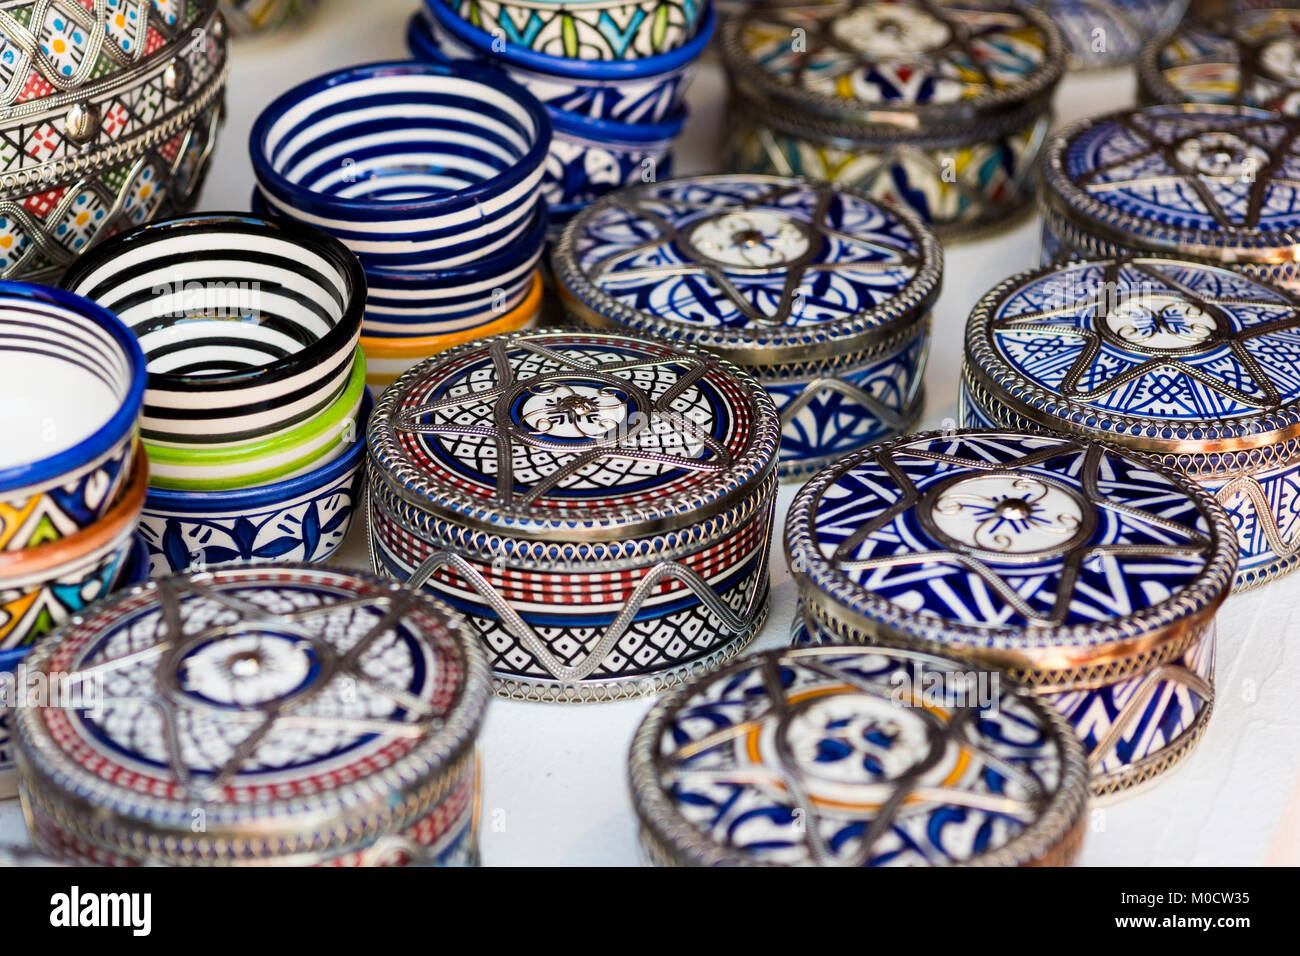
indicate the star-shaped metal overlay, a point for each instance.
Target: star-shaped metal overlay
{"x":1204,"y":326}
{"x":1232,"y":156}
{"x":170,"y":699}
{"x":632,"y":438}
{"x":602,"y":271}
{"x":1246,"y":43}
{"x":977,"y":562}
{"x":955,"y":724}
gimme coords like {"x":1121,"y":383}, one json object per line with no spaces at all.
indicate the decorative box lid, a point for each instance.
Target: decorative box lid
{"x":1068,"y":562}
{"x":853,"y":756}
{"x":1251,"y":59}
{"x":761,"y":269}
{"x":897,"y":67}
{"x":252,"y":713}
{"x":1156,"y":354}
{"x":574,"y":436}
{"x":1216,"y":182}
{"x":1105,"y":33}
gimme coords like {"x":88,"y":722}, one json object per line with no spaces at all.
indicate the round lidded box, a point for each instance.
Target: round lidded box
{"x":1193,"y":365}
{"x":941,"y":107}
{"x":1209,"y":182}
{"x":259,"y":714}
{"x":822,"y":294}
{"x":598,"y":506}
{"x":1089,"y":574}
{"x":851,"y":756}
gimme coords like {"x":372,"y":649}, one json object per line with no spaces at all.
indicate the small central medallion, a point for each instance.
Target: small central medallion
{"x":891,"y":31}
{"x":1008,"y":514}
{"x":573,"y":411}
{"x":754,"y":239}
{"x":249,"y":669}
{"x":1222,"y":155}
{"x":1161,"y":323}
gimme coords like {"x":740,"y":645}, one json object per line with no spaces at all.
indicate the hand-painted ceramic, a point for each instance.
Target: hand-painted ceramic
{"x":821,"y":293}
{"x":411,"y":164}
{"x":1252,"y":59}
{"x":624,"y":547}
{"x":366,"y":699}
{"x":585,"y":29}
{"x":250,"y":326}
{"x":1100,"y":34}
{"x":646,"y":90}
{"x":1194,"y":365}
{"x":589,"y":158}
{"x":246,"y":17}
{"x":881,"y":94}
{"x":289,"y":453}
{"x":108,"y":114}
{"x":1216,"y":183}
{"x":850,"y":756}
{"x":300,"y":519}
{"x":71,"y":386}
{"x":42,"y":586}
{"x":1074,"y":565}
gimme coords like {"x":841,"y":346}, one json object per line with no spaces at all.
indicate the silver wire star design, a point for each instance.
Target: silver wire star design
{"x":172,"y":645}
{"x":786,"y":775}
{"x":1102,"y":302}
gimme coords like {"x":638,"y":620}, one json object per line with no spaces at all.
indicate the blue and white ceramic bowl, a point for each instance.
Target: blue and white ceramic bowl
{"x":603,"y":30}
{"x":300,"y":519}
{"x":627,"y":91}
{"x":411,"y":164}
{"x":590,"y":157}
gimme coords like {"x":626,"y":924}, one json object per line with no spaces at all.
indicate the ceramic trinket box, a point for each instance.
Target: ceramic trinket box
{"x":364,"y":697}
{"x":1088,"y":573}
{"x":940,"y":107}
{"x":821,"y":293}
{"x":1192,"y":365}
{"x":598,"y":506}
{"x":853,"y":756}
{"x":1101,"y":34}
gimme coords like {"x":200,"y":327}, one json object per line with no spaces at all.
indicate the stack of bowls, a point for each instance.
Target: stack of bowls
{"x":108,"y":115}
{"x":256,"y":386}
{"x":431,"y":174}
{"x":615,"y":97}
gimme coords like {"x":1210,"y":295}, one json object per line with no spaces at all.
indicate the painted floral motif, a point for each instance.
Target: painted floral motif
{"x":63,"y":510}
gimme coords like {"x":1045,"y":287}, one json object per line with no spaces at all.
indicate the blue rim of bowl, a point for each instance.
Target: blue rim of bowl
{"x":615,"y":133}
{"x":164,"y":501}
{"x":571,"y":69}
{"x":495,"y":264}
{"x":119,"y":424}
{"x":380,"y":211}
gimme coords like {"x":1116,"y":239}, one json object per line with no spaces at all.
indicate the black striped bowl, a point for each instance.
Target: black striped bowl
{"x":248,"y":325}
{"x":413,"y":165}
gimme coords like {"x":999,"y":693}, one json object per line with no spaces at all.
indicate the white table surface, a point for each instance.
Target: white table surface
{"x":555,"y":788}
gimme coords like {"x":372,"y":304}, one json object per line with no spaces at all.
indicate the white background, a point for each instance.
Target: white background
{"x":555,"y":789}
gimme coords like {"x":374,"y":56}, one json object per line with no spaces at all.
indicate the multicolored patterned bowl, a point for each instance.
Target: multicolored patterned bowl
{"x":585,"y":29}
{"x":411,"y":164}
{"x":303,"y":518}
{"x":250,"y":326}
{"x":71,"y":387}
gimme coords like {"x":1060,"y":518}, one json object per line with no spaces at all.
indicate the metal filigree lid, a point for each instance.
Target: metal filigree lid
{"x":1157,"y":354}
{"x":838,"y":756}
{"x":1043,"y":554}
{"x":574,"y":436}
{"x":905,"y":65}
{"x":1252,"y":59}
{"x":1107,"y":33}
{"x":253,"y":713}
{"x":1214,"y":182}
{"x":761,"y":269}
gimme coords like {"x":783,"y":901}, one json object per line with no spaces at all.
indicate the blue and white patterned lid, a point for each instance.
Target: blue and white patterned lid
{"x":1206,"y":180}
{"x":1049,"y":555}
{"x":1157,"y":354}
{"x":851,"y":756}
{"x":759,"y":268}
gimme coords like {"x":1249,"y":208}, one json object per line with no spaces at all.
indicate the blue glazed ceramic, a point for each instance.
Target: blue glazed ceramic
{"x":1195,"y":365}
{"x":821,"y":293}
{"x":411,"y":164}
{"x":1090,"y":573}
{"x":591,"y":157}
{"x":302,"y":519}
{"x":72,"y":379}
{"x":629,"y":91}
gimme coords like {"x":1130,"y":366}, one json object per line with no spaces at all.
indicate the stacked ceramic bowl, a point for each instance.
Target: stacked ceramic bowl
{"x":108,"y":114}
{"x":615,"y":95}
{"x":256,"y":386}
{"x":431,"y":174}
